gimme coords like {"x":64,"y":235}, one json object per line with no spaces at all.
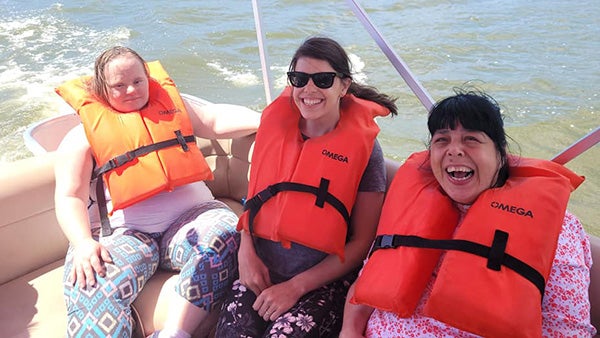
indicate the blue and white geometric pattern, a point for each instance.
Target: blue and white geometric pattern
{"x":201,"y":244}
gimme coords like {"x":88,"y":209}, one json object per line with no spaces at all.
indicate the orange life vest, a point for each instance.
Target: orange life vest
{"x":305,"y":189}
{"x":140,"y":153}
{"x":492,"y":277}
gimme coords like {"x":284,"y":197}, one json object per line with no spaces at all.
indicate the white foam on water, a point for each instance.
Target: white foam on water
{"x":358,"y":65}
{"x":239,"y":78}
{"x":38,"y":52}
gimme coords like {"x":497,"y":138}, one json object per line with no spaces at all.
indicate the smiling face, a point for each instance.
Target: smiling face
{"x":464,"y":162}
{"x":126,"y":83}
{"x":320,"y":108}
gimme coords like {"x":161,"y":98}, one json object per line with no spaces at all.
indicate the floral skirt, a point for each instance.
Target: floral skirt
{"x":317,"y":314}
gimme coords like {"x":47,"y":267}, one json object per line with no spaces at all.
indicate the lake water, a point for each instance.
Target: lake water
{"x":539,"y":58}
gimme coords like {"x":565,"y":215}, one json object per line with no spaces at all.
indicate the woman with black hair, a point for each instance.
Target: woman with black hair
{"x":473,"y":241}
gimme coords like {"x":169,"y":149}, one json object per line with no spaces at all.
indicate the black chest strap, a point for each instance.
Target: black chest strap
{"x":495,"y":253}
{"x":129,"y":156}
{"x":321,"y":192}
{"x":120,"y":160}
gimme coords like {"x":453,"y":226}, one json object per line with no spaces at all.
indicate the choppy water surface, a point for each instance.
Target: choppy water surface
{"x":540,"y":59}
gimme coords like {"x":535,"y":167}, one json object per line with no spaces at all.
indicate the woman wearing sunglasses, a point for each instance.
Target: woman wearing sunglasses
{"x":316,"y":188}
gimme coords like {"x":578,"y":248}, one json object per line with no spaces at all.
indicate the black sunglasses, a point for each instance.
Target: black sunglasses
{"x":321,"y":80}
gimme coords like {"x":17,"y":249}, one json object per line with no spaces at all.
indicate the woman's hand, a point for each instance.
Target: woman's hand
{"x":89,"y":257}
{"x":276,"y":300}
{"x":253,"y":272}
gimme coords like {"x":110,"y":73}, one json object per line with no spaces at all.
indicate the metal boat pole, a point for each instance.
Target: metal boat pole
{"x":565,"y":156}
{"x":400,"y":66}
{"x":578,"y":147}
{"x":264,"y":64}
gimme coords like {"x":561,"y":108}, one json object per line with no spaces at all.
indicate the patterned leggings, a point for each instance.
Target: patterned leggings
{"x":317,"y":314}
{"x":201,"y":244}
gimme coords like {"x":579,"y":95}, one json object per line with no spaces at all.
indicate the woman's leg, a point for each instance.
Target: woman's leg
{"x":105,"y":310}
{"x":317,"y":314}
{"x":202,"y":245}
{"x":238,"y":318}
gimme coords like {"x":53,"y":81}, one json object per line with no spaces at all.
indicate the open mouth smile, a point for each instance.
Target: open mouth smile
{"x":311,"y":102}
{"x":460,"y":173}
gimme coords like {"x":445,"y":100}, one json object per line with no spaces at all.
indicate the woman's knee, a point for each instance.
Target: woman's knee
{"x":206,"y":279}
{"x":196,"y":231}
{"x":125,"y":275}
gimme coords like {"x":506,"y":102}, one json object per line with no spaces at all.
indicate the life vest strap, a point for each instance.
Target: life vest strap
{"x":323,"y":196}
{"x":495,"y":253}
{"x":106,"y":229}
{"x":129,"y":156}
{"x":183,"y":141}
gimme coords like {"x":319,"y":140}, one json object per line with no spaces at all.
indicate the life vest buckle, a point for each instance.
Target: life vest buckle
{"x":259,"y":199}
{"x":387,"y":242}
{"x":265,"y":194}
{"x":122,"y":159}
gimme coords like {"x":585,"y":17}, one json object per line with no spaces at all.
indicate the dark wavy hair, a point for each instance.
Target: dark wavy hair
{"x":323,"y":48}
{"x":474,"y":110}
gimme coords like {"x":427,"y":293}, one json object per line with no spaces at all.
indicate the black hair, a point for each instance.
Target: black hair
{"x":474,"y":110}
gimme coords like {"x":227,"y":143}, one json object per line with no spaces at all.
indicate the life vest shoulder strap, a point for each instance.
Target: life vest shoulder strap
{"x":106,"y":229}
{"x":122,"y":159}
